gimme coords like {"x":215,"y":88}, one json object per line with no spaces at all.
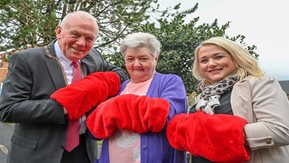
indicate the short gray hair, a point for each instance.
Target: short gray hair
{"x":81,"y":14}
{"x":139,"y":40}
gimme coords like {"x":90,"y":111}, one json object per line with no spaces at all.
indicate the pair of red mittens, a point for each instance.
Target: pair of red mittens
{"x":218,"y":138}
{"x":80,"y":97}
{"x":139,"y":114}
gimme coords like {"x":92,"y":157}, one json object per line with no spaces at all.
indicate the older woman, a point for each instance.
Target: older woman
{"x":247,"y":112}
{"x":133,"y":124}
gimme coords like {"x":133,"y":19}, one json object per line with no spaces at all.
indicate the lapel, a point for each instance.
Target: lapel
{"x":54,"y":67}
{"x":241,"y":94}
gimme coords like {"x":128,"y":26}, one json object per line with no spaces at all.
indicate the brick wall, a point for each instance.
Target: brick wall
{"x":3,"y":71}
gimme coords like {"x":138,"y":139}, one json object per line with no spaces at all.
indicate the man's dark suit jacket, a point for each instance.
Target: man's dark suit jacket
{"x":40,"y":124}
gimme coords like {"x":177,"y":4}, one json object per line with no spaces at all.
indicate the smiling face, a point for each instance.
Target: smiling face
{"x":76,"y":37}
{"x":215,"y":63}
{"x":140,"y":64}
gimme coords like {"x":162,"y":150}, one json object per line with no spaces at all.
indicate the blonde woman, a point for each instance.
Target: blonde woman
{"x":243,"y":113}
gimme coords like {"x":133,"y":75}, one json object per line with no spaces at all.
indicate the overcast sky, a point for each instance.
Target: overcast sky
{"x":264,"y":23}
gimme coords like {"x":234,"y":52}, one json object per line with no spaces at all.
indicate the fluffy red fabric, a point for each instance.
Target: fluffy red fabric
{"x":218,"y":138}
{"x":139,"y":114}
{"x":79,"y":97}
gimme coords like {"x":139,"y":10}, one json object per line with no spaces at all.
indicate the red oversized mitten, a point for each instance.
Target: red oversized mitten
{"x":79,"y":97}
{"x":139,"y":114}
{"x":218,"y":138}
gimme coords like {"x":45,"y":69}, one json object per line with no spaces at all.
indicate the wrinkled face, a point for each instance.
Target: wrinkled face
{"x":76,"y":38}
{"x":215,"y":63}
{"x":140,"y":64}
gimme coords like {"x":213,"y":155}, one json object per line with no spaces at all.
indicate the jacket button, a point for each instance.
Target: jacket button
{"x":268,"y":141}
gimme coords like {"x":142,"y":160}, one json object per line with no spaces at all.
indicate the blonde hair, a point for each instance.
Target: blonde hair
{"x":245,"y":63}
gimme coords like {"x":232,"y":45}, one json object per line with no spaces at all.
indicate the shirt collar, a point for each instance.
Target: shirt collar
{"x":60,"y":55}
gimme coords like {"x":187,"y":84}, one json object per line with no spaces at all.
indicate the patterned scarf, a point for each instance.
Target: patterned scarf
{"x":210,"y":95}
